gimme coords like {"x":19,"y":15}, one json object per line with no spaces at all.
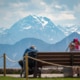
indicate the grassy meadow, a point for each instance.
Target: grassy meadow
{"x":12,"y":78}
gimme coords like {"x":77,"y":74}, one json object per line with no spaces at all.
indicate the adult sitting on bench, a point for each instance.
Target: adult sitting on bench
{"x":31,"y":63}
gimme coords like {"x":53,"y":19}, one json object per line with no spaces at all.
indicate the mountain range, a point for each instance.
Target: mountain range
{"x":32,"y":27}
{"x":36,"y":27}
{"x":16,"y":51}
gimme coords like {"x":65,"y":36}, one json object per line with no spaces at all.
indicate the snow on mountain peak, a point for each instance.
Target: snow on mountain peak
{"x":70,"y":29}
{"x":27,"y":27}
{"x":44,"y":22}
{"x":37,"y":27}
{"x":41,"y":20}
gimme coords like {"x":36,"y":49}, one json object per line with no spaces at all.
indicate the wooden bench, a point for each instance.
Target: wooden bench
{"x":61,"y":58}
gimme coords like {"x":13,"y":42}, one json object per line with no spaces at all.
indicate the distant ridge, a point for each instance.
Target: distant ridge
{"x":16,"y":50}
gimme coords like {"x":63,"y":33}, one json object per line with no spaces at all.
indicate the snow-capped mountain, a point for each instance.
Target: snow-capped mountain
{"x":32,"y":27}
{"x":70,"y":29}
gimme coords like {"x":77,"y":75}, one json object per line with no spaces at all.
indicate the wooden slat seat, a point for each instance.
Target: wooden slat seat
{"x":62,"y":58}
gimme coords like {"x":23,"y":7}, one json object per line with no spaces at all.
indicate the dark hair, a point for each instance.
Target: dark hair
{"x":75,"y":40}
{"x":32,"y":47}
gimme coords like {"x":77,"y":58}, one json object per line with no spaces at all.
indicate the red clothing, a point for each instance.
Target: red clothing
{"x":77,"y":46}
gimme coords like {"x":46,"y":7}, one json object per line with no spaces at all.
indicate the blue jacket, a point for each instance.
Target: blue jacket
{"x":31,"y":52}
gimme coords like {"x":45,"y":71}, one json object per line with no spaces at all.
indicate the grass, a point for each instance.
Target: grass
{"x":12,"y":78}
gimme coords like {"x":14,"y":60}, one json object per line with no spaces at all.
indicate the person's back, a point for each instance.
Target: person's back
{"x":76,"y":42}
{"x":32,"y":52}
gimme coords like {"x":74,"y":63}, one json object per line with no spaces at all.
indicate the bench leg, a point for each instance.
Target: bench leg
{"x":39,"y":73}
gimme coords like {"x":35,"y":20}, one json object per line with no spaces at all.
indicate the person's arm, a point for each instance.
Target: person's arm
{"x":25,"y":52}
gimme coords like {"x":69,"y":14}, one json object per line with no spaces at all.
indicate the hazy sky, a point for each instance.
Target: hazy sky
{"x":63,"y":12}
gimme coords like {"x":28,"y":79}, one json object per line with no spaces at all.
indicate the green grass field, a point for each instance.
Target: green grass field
{"x":12,"y":78}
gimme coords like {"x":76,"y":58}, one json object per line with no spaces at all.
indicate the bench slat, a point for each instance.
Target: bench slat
{"x":63,"y":58}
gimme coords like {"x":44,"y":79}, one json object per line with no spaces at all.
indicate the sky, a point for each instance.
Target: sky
{"x":61,"y":12}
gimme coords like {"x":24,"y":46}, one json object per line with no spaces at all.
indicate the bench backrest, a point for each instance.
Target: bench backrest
{"x":62,"y":58}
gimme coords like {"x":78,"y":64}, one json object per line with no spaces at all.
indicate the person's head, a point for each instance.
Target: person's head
{"x":32,"y":47}
{"x":72,"y":46}
{"x":76,"y":41}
